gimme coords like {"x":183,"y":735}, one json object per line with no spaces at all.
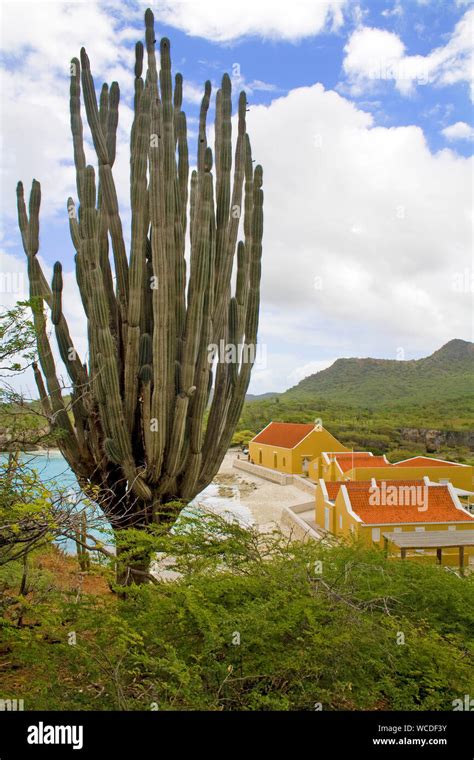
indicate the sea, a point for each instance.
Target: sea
{"x":55,"y":473}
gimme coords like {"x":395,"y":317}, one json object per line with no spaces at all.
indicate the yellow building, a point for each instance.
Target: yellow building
{"x":290,"y":446}
{"x":363,"y":465}
{"x":439,"y":470}
{"x":340,"y":465}
{"x":373,"y":509}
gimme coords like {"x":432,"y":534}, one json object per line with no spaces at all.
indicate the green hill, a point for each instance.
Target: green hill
{"x":390,"y":407}
{"x":447,"y":374}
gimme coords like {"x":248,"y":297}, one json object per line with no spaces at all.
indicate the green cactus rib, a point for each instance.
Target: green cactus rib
{"x":138,"y":438}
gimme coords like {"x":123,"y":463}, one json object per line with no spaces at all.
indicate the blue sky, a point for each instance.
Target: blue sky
{"x":361,"y":115}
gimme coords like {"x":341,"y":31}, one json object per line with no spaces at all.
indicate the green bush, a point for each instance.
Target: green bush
{"x":255,"y":623}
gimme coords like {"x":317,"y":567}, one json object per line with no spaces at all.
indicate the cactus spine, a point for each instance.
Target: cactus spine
{"x":137,"y":438}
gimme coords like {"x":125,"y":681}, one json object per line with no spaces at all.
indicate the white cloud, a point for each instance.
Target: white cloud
{"x":35,"y":91}
{"x":14,"y":287}
{"x":374,"y":55}
{"x":367,"y":233}
{"x":397,"y":10}
{"x":458,"y":131}
{"x":273,"y":19}
{"x":308,"y":369}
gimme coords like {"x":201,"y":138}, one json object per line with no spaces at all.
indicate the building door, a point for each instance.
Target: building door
{"x":260,"y":456}
{"x":275,"y":461}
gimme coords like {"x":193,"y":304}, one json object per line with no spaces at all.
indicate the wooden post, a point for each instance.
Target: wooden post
{"x":461,"y":559}
{"x":439,"y":554}
{"x":385,"y":546}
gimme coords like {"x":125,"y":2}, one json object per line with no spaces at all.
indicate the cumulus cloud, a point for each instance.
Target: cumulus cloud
{"x":367,"y":233}
{"x":272,"y":19}
{"x":458,"y":131}
{"x":373,"y":55}
{"x":35,"y":91}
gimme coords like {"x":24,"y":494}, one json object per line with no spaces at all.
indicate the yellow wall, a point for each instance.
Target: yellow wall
{"x":311,"y":446}
{"x":320,"y":514}
{"x":364,"y":532}
{"x":351,"y":527}
{"x":460,"y":477}
{"x":267,"y":459}
{"x":319,"y":468}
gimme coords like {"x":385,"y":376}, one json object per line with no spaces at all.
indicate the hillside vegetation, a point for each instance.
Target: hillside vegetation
{"x":387,"y":406}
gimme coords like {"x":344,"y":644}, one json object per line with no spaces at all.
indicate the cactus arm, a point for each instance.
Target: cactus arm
{"x":138,"y":175}
{"x":181,"y":200}
{"x":112,"y":121}
{"x":43,"y":394}
{"x":202,"y":138}
{"x":224,"y":149}
{"x":152,"y":75}
{"x":67,"y":441}
{"x":100,"y":318}
{"x":76,"y":123}
{"x":108,"y":191}
{"x":192,"y":203}
{"x":218,"y":450}
{"x":173,"y":257}
{"x":226,"y":246}
{"x":200,"y":276}
{"x":160,"y":301}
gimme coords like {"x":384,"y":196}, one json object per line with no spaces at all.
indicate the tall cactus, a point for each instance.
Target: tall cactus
{"x":142,"y":430}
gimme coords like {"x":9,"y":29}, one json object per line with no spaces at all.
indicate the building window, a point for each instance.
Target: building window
{"x":274,"y":459}
{"x":284,"y":462}
{"x":260,"y":456}
{"x":419,"y":529}
{"x":376,"y":535}
{"x":451,"y":527}
{"x":326,"y":518}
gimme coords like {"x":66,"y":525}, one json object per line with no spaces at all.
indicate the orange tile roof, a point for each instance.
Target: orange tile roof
{"x":284,"y":434}
{"x":348,"y":460}
{"x":332,"y":487}
{"x":441,"y":507}
{"x":424,"y":462}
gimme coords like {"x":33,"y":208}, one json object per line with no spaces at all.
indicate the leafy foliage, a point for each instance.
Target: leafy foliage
{"x":17,"y":339}
{"x":252,"y":621}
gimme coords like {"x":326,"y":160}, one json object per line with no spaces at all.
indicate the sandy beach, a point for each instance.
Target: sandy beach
{"x":264,"y":499}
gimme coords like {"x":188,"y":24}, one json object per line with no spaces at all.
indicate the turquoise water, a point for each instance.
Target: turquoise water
{"x":57,"y":476}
